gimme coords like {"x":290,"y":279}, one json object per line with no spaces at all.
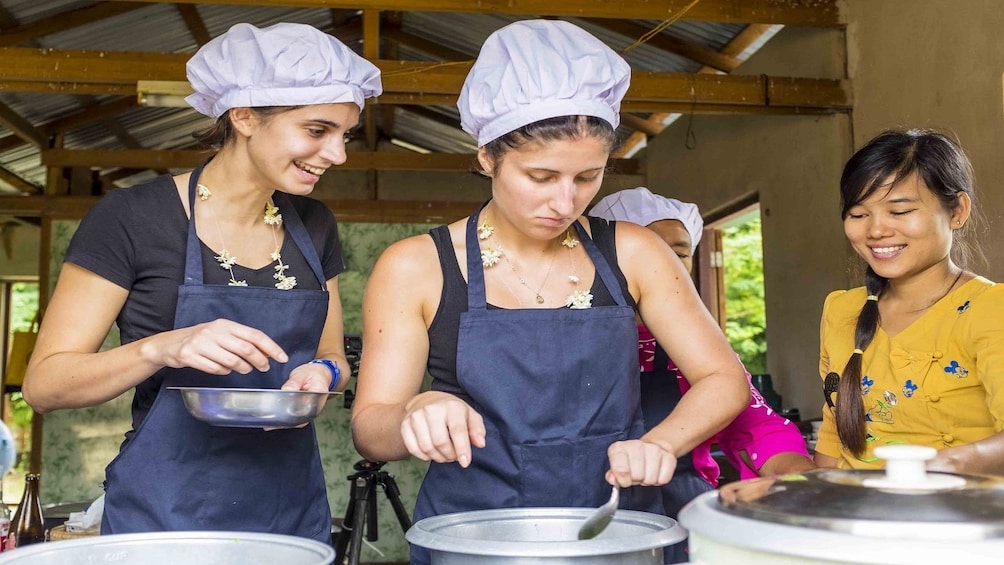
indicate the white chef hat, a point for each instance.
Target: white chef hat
{"x":640,"y":206}
{"x":537,"y":69}
{"x":281,"y":65}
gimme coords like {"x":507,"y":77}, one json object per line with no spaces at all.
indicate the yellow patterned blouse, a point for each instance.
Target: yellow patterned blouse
{"x":939,"y":382}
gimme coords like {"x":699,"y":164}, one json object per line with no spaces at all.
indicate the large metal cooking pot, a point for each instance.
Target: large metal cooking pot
{"x":901,"y":516}
{"x":172,"y":548}
{"x":543,"y":535}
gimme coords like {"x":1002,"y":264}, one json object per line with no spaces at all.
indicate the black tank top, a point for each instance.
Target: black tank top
{"x":445,"y":327}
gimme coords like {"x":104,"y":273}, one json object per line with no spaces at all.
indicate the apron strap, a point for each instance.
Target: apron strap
{"x":476,"y":297}
{"x":193,"y":252}
{"x":294,"y":227}
{"x":603,"y":269}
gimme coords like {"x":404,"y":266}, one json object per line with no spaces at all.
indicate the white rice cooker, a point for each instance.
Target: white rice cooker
{"x":903,"y":515}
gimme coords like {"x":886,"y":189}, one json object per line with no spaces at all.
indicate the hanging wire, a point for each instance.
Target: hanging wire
{"x":658,"y":29}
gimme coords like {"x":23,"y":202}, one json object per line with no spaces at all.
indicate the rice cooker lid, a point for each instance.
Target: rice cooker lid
{"x":904,"y":501}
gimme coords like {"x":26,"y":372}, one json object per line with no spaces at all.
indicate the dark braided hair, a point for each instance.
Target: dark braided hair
{"x":897,"y":154}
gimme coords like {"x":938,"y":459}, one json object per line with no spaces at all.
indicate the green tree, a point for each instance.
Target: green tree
{"x":746,"y":313}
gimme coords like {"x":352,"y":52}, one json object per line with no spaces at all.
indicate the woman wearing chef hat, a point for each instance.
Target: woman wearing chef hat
{"x":524,"y":312}
{"x":759,"y":441}
{"x":224,"y":277}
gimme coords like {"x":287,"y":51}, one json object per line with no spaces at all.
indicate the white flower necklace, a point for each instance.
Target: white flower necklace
{"x":226,"y":260}
{"x":493,"y":253}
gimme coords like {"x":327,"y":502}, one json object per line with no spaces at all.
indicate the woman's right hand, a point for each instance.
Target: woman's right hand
{"x":440,"y":427}
{"x":218,"y":348}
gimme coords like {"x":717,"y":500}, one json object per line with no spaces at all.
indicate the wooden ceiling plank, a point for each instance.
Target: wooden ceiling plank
{"x":15,"y":180}
{"x":665,"y":42}
{"x":59,"y":87}
{"x":154,"y":159}
{"x":195,"y":24}
{"x":22,"y":127}
{"x":66,"y":20}
{"x":801,"y":13}
{"x":371,"y":51}
{"x":90,"y":66}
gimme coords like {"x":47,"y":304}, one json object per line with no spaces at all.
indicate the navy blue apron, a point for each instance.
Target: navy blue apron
{"x":177,"y":473}
{"x":660,"y":393}
{"x":555,"y":387}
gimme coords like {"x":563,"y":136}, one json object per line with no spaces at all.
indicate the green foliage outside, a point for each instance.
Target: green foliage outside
{"x":24,"y":305}
{"x":746,"y":315}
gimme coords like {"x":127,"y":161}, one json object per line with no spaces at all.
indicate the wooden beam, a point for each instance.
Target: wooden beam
{"x":88,"y":115}
{"x":10,"y":177}
{"x":22,"y":127}
{"x":787,"y":12}
{"x":195,"y":24}
{"x":58,"y":87}
{"x":417,"y":80}
{"x":392,"y":211}
{"x":65,"y":20}
{"x":641,"y":124}
{"x":696,"y":53}
{"x":154,"y":159}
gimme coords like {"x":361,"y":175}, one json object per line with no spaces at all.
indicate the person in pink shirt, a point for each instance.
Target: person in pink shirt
{"x":758,"y":442}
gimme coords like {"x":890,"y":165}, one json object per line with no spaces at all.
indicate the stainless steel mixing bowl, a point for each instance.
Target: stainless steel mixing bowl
{"x":252,"y":408}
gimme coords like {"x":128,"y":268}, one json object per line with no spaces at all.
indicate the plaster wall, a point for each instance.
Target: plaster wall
{"x":793,"y":164}
{"x":19,"y":244}
{"x":939,"y":64}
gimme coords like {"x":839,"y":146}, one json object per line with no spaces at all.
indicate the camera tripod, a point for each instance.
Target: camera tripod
{"x":362,"y":510}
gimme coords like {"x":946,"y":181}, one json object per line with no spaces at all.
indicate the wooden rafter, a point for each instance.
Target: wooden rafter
{"x":733,"y":48}
{"x":195,"y":24}
{"x":153,"y":159}
{"x":65,"y":20}
{"x":789,"y":12}
{"x":697,"y":53}
{"x":79,"y":118}
{"x":15,"y":180}
{"x":22,"y":127}
{"x":424,"y":45}
{"x":416,"y":81}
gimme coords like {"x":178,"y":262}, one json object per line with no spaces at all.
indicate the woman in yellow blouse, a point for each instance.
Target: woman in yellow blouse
{"x":915,"y":356}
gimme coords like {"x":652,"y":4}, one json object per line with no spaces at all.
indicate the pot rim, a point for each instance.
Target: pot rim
{"x":429,"y":533}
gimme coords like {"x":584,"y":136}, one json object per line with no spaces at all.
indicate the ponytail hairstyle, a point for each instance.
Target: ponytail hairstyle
{"x":946,"y":171}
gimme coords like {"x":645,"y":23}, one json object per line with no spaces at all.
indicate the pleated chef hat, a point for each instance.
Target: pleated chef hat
{"x":538,"y":69}
{"x":640,"y":206}
{"x":281,"y":65}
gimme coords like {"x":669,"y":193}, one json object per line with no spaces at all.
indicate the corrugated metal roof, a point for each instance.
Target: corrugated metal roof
{"x":161,"y":28}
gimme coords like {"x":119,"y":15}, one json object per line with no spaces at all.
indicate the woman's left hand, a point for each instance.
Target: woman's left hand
{"x":638,"y":462}
{"x":312,"y":377}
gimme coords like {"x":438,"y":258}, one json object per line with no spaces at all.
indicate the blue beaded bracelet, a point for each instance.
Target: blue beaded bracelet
{"x":336,"y":373}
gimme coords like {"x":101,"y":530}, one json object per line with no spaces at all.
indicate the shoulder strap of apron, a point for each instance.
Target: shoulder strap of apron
{"x":295,"y":228}
{"x":193,"y":255}
{"x":602,"y":267}
{"x":476,"y":298}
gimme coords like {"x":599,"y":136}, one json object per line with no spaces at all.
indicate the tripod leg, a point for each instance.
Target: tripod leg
{"x":362,"y":489}
{"x":342,"y":540}
{"x":394,"y":495}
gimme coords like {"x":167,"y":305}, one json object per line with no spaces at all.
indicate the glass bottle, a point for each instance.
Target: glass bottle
{"x":28,"y":526}
{"x":4,"y":523}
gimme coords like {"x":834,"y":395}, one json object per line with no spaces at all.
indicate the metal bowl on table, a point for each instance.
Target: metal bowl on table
{"x":512,"y":536}
{"x":252,"y":407}
{"x":164,"y":548}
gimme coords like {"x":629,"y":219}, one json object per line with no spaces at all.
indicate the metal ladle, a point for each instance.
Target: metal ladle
{"x":599,"y":520}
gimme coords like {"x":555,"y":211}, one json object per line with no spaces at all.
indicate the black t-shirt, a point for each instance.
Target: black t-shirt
{"x":135,"y":238}
{"x":444,"y":331}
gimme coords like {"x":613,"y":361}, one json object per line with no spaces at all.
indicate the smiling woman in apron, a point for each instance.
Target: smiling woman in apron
{"x":524,"y":312}
{"x":224,"y":277}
